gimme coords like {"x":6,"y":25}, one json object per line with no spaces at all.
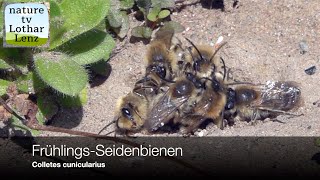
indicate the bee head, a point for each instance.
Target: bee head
{"x":159,"y":69}
{"x":130,"y":115}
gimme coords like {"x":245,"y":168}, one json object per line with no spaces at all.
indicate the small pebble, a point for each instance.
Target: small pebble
{"x":303,"y":47}
{"x":311,"y":70}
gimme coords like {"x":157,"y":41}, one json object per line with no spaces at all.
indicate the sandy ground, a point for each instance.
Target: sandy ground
{"x":263,"y":44}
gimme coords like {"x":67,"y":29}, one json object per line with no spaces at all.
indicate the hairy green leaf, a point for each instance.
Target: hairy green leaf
{"x":24,"y":83}
{"x":4,"y":64}
{"x":47,"y":107}
{"x":141,"y":32}
{"x":13,"y":56}
{"x":126,"y":4}
{"x":77,"y":101}
{"x":38,"y":84}
{"x":60,"y":73}
{"x":152,"y":17}
{"x":17,"y":124}
{"x":77,"y":17}
{"x":103,"y":25}
{"x":84,"y":51}
{"x":3,"y":86}
{"x":163,"y":3}
{"x":153,"y":14}
{"x":1,"y":20}
{"x":115,"y":19}
{"x":123,"y":30}
{"x":164,"y":13}
{"x":144,"y":5}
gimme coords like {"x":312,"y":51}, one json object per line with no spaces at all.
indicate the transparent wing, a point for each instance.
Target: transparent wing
{"x":163,"y":109}
{"x":279,"y":95}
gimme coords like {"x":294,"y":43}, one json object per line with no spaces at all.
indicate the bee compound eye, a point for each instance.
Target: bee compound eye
{"x":196,"y":65}
{"x":162,"y":72}
{"x":216,"y":84}
{"x":229,"y":105}
{"x":126,"y":112}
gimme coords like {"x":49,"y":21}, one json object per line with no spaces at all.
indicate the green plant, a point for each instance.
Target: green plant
{"x":76,"y":42}
{"x":79,"y":40}
{"x":154,"y":14}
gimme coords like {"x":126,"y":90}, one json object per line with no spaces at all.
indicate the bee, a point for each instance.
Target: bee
{"x":131,"y":112}
{"x":165,"y":107}
{"x":208,"y":106}
{"x":161,"y":59}
{"x":196,"y":96}
{"x":161,"y":64}
{"x":189,"y":101}
{"x":203,"y":59}
{"x":254,"y":102}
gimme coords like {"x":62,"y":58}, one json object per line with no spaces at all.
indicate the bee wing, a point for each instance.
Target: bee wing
{"x":279,"y":95}
{"x":163,"y":110}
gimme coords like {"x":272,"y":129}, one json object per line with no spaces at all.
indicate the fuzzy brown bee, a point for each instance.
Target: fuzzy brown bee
{"x":253,"y":102}
{"x":186,"y":91}
{"x":131,"y":112}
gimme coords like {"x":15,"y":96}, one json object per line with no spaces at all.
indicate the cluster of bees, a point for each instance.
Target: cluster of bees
{"x":185,"y":86}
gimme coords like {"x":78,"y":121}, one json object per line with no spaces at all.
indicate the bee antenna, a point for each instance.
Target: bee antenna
{"x":107,"y":126}
{"x":224,"y":68}
{"x":195,"y":48}
{"x":216,"y":51}
{"x":110,"y":132}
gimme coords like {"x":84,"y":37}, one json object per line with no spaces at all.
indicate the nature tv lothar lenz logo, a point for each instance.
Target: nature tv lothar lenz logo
{"x":26,"y":25}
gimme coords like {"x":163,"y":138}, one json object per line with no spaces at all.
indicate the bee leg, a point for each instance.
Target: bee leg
{"x":254,"y":117}
{"x":191,"y":123}
{"x":219,"y":122}
{"x":280,"y":112}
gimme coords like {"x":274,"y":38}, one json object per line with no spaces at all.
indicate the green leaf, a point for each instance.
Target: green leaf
{"x":164,"y":13}
{"x":163,"y":3}
{"x":77,"y":17}
{"x":38,"y":84}
{"x":4,"y":64}
{"x":77,"y":101}
{"x":60,"y":73}
{"x":47,"y":108}
{"x":152,"y":17}
{"x":12,"y":56}
{"x":123,"y":30}
{"x":126,"y":4}
{"x":144,"y":5}
{"x":54,"y":9}
{"x":24,"y":83}
{"x":177,"y":27}
{"x":147,"y":32}
{"x":17,"y":124}
{"x":317,"y":142}
{"x":141,"y":32}
{"x":103,"y":26}
{"x":153,"y":14}
{"x":1,"y":21}
{"x":115,"y":19}
{"x":89,"y":47}
{"x":3,"y":86}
